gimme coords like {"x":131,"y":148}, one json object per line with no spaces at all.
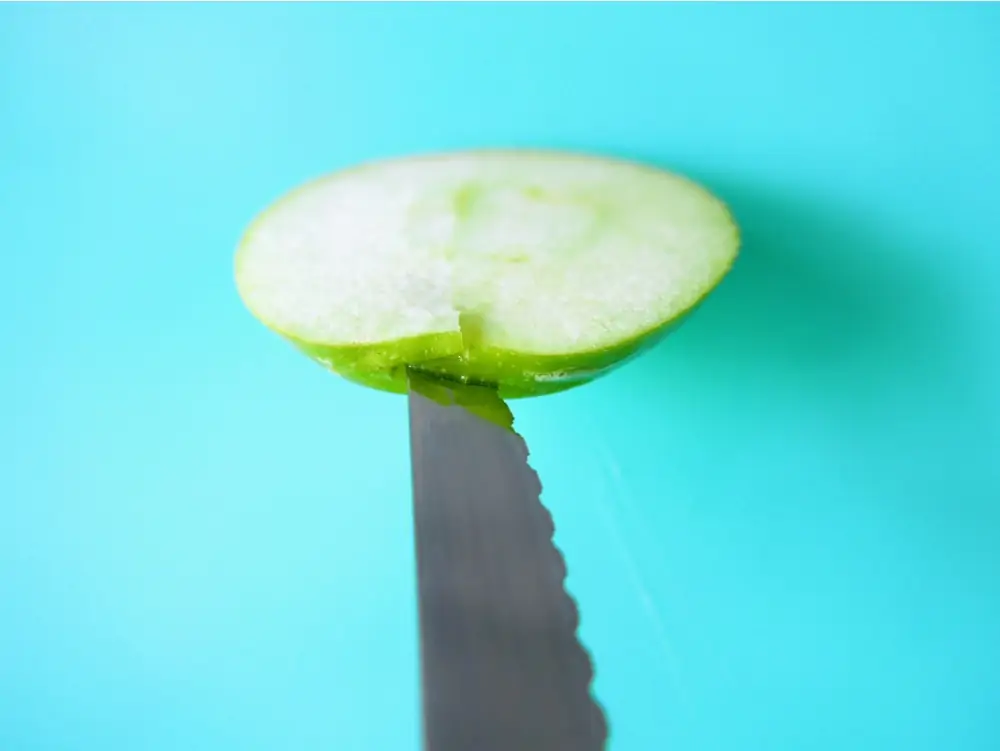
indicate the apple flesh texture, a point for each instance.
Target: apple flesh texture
{"x":479,"y":215}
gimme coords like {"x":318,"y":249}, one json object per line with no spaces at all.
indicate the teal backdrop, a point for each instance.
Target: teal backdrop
{"x":782,"y":525}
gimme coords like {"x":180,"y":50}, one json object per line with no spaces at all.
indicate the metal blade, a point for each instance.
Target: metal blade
{"x":501,"y":665}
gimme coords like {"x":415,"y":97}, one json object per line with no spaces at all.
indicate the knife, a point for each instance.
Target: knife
{"x":501,"y":666}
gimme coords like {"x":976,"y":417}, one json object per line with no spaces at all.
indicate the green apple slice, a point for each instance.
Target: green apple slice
{"x":529,"y":271}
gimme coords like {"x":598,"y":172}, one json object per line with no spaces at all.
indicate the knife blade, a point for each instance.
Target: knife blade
{"x":501,"y":666}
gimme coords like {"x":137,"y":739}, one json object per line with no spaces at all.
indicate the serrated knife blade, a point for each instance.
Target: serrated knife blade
{"x":501,"y":666}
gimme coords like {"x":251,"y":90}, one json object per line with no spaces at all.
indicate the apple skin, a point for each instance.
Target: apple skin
{"x":514,"y":375}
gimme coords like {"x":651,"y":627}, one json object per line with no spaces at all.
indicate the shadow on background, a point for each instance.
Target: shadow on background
{"x":816,"y":290}
{"x":832,"y":311}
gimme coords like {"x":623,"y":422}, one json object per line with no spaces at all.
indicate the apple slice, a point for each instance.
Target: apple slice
{"x":530,"y":271}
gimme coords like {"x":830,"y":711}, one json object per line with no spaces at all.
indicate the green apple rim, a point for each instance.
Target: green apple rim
{"x":528,"y":271}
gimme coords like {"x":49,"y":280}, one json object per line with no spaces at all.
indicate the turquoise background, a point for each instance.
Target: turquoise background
{"x":782,"y":526}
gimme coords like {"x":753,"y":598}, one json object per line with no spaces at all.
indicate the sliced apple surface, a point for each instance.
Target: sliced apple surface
{"x":527,"y":271}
